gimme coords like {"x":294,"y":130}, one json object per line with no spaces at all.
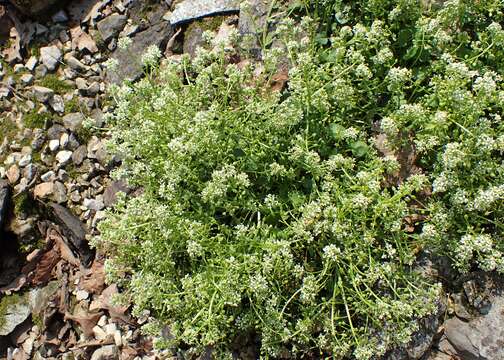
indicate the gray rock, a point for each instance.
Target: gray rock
{"x":5,"y":195}
{"x":57,"y":104}
{"x":41,"y":93}
{"x":60,"y":17}
{"x":193,"y":39}
{"x":5,"y":92}
{"x":73,"y":229}
{"x":189,"y":10}
{"x":111,"y":26}
{"x":63,"y":157}
{"x":130,"y":65}
{"x":39,"y":137}
{"x":107,"y":352}
{"x":59,"y":194}
{"x":50,"y":56}
{"x":79,"y":155}
{"x":481,"y":338}
{"x":26,"y":79}
{"x":93,"y":204}
{"x":110,"y":194}
{"x":17,"y":310}
{"x":74,"y":63}
{"x":55,"y":131}
{"x":31,"y":63}
{"x":73,"y":121}
{"x":253,"y":19}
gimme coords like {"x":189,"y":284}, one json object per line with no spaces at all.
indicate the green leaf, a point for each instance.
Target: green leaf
{"x":359,"y":148}
{"x":336,"y":131}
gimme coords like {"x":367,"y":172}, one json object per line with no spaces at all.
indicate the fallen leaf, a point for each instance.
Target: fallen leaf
{"x":279,"y":80}
{"x":94,"y":279}
{"x":45,"y":265}
{"x":64,"y":249}
{"x":86,"y":322}
{"x":117,"y":312}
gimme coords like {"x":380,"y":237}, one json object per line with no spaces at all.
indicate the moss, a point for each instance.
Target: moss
{"x":22,"y":204}
{"x":72,"y":106}
{"x":6,"y":303}
{"x":35,"y":120}
{"x":52,"y":81}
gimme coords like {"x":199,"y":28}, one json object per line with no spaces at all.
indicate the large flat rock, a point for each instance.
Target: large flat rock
{"x":189,"y":10}
{"x":130,"y":64}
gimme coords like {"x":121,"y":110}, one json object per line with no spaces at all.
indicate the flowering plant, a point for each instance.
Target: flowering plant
{"x":296,"y":214}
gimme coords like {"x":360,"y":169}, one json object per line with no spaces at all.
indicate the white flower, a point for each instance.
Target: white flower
{"x":124,"y":42}
{"x":332,"y":252}
{"x":111,"y":64}
{"x":151,"y":56}
{"x":453,"y":155}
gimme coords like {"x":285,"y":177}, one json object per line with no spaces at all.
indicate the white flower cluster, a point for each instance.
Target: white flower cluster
{"x":331,"y":252}
{"x":397,"y":77}
{"x":453,"y":155}
{"x":487,"y":198}
{"x":151,"y":56}
{"x":223,"y":180}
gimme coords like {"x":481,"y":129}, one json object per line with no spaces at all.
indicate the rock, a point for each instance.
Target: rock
{"x":50,"y":56}
{"x":48,"y":176}
{"x":57,"y":104}
{"x":42,"y":94}
{"x":15,"y":309}
{"x":63,"y":157}
{"x":43,"y":190}
{"x":73,"y":121}
{"x":111,"y":26}
{"x":93,"y":204}
{"x":73,"y":229}
{"x":193,"y":39}
{"x":74,"y":64}
{"x":481,"y":338}
{"x":130,"y":65}
{"x":188,"y":10}
{"x":33,"y":7}
{"x":26,"y":79}
{"x":13,"y":174}
{"x":5,"y":92}
{"x":54,"y":144}
{"x":82,"y":41}
{"x":55,"y":131}
{"x":107,"y":352}
{"x":110,"y":194}
{"x":79,"y":155}
{"x":31,"y":63}
{"x":60,"y":17}
{"x":81,"y":295}
{"x":5,"y":197}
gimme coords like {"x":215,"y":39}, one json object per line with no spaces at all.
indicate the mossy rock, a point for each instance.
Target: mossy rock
{"x":14,"y":309}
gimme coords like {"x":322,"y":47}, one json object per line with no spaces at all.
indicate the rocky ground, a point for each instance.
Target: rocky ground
{"x":55,"y":183}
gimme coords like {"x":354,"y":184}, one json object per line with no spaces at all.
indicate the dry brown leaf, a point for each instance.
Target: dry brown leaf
{"x":128,"y":353}
{"x":45,"y":265}
{"x":94,"y":279}
{"x":105,"y":302}
{"x":279,"y":80}
{"x":86,"y":322}
{"x":63,"y":248}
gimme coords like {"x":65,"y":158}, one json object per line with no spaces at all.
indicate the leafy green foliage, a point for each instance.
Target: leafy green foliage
{"x":297,"y":215}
